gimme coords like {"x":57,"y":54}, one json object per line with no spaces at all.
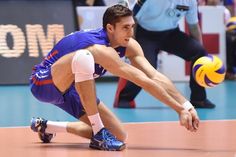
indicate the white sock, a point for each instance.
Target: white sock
{"x":96,"y":123}
{"x":54,"y":127}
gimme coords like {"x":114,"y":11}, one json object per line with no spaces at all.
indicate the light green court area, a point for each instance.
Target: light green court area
{"x":17,"y":105}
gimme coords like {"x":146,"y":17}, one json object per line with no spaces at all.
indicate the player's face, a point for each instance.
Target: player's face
{"x":122,"y":31}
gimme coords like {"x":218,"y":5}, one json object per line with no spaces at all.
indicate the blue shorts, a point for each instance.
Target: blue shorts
{"x":43,"y":88}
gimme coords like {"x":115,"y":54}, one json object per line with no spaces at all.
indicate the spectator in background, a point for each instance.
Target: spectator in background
{"x":90,"y":3}
{"x":231,"y":48}
{"x":230,"y":38}
{"x":227,"y":13}
{"x":230,"y":5}
{"x":82,"y":3}
{"x":201,"y":2}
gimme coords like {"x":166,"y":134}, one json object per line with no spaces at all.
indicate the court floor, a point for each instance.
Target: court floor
{"x":167,"y":139}
{"x":153,"y":128}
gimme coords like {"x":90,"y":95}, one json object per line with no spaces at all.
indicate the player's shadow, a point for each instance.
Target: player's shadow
{"x":85,"y":146}
{"x":56,"y":145}
{"x":149,"y":108}
{"x":153,"y":107}
{"x":176,"y":149}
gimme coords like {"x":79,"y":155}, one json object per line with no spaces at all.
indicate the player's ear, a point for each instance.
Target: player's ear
{"x":109,"y":27}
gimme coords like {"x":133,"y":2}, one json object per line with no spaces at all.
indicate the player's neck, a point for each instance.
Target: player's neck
{"x":112,"y":41}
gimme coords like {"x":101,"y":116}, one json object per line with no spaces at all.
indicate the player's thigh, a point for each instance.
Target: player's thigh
{"x":184,"y":46}
{"x":110,"y":121}
{"x":150,"y":49}
{"x":62,"y":73}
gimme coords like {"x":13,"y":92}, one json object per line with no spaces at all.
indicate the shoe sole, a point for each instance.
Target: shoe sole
{"x":99,"y":148}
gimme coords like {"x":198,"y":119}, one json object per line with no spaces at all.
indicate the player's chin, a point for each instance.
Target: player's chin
{"x":125,"y":42}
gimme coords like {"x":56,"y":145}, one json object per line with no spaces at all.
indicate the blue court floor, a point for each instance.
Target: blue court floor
{"x":17,"y":105}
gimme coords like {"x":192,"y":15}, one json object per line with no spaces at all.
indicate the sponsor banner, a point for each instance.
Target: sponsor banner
{"x":28,"y":30}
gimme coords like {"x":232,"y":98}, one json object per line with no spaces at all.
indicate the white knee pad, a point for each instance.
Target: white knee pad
{"x":83,"y":65}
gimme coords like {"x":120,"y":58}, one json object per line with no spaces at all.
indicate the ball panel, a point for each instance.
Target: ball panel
{"x":195,"y":69}
{"x":221,"y":70}
{"x":215,"y":77}
{"x":208,"y":71}
{"x":209,"y":83}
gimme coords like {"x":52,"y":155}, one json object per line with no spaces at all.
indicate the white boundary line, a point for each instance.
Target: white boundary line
{"x":203,"y":121}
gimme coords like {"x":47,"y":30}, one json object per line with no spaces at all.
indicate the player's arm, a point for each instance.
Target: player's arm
{"x":135,"y":54}
{"x":195,"y":32}
{"x":192,"y":21}
{"x":109,"y":59}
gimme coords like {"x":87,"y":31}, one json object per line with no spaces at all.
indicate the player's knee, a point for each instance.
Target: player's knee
{"x":202,"y":53}
{"x":83,"y":65}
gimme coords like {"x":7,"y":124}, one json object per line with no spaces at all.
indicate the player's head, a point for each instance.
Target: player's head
{"x":118,"y":21}
{"x":114,"y":14}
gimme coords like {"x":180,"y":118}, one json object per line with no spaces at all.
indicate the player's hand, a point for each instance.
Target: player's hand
{"x":195,"y":119}
{"x":186,"y":120}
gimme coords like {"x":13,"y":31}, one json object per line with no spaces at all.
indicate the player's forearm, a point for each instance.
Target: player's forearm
{"x":160,"y":93}
{"x":157,"y":90}
{"x":195,"y":32}
{"x":171,"y":90}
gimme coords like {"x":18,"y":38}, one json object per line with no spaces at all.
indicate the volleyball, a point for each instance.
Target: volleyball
{"x":208,"y":71}
{"x":231,"y":24}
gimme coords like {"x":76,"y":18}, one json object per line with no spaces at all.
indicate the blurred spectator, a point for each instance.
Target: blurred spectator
{"x":124,"y":3}
{"x":227,"y":12}
{"x":201,"y":2}
{"x":230,"y":39}
{"x":231,"y":48}
{"x":82,"y":3}
{"x":230,"y":5}
{"x":90,"y":3}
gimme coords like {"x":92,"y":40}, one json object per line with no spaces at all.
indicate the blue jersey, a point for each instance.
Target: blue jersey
{"x":41,"y":84}
{"x":75,"y":41}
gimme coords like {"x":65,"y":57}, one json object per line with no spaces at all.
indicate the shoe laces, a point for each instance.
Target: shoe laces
{"x":108,"y":136}
{"x":38,"y":124}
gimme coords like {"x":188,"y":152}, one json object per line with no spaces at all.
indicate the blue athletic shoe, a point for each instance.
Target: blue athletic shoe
{"x":39,"y":125}
{"x":104,"y":140}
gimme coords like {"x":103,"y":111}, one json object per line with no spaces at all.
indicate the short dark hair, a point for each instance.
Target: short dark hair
{"x":114,"y":13}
